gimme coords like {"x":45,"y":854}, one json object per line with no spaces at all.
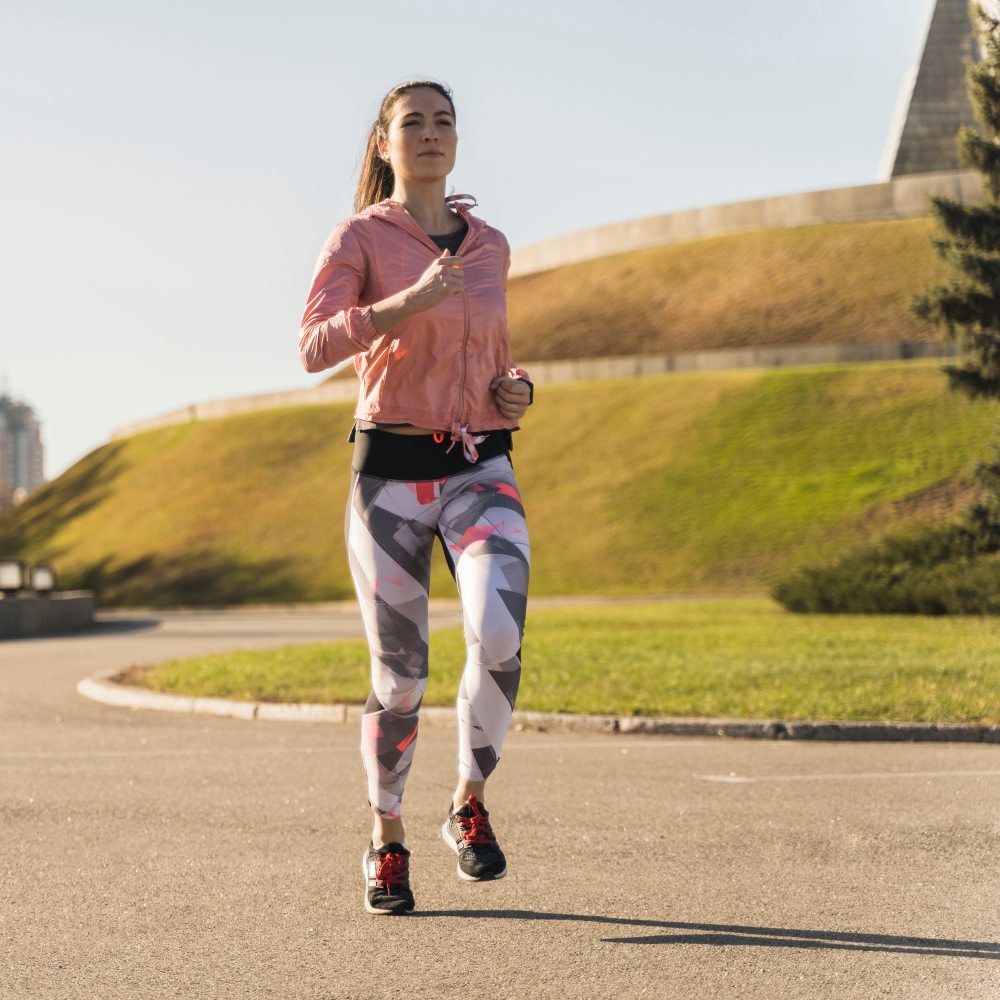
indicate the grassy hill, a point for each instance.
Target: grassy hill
{"x":702,"y":482}
{"x":829,"y":284}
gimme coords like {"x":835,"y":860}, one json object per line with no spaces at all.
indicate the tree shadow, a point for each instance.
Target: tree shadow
{"x":735,"y":934}
{"x":192,"y":577}
{"x":97,"y":629}
{"x":84,"y":486}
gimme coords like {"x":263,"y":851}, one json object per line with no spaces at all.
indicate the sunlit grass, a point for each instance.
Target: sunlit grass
{"x":675,"y":484}
{"x":740,"y":658}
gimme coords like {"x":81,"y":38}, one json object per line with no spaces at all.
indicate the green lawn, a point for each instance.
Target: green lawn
{"x":705,"y":483}
{"x":740,"y":658}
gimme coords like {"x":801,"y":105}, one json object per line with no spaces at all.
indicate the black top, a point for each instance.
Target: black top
{"x":450,"y":241}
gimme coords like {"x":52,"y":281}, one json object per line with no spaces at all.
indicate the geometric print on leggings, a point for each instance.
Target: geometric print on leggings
{"x":391,"y":527}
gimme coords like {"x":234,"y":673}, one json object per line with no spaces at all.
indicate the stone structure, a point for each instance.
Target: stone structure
{"x":345,"y":390}
{"x":62,"y":611}
{"x":933,"y":101}
{"x":896,"y":199}
{"x":21,"y":455}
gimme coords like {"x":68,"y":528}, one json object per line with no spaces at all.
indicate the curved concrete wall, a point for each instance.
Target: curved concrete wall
{"x":905,"y":196}
{"x":576,"y":370}
{"x":899,"y":198}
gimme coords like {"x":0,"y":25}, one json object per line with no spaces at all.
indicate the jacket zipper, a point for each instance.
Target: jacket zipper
{"x":465,"y":305}
{"x":465,"y":338}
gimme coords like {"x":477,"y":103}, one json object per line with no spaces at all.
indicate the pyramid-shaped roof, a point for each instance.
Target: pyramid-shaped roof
{"x":933,"y":102}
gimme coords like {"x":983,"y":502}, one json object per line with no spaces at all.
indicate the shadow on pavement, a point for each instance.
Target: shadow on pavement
{"x":97,"y":630}
{"x":767,"y":937}
{"x":109,"y":626}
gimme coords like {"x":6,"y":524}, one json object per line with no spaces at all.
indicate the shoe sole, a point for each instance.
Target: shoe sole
{"x":400,"y":911}
{"x":450,"y":841}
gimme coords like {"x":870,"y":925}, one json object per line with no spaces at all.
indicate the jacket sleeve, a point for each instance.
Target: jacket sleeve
{"x":513,"y":371}
{"x":334,"y":328}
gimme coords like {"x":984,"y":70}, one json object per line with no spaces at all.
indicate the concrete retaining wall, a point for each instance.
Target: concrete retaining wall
{"x":638,"y":365}
{"x":899,"y":198}
{"x":65,"y":611}
{"x":340,"y":391}
{"x":561,"y":372}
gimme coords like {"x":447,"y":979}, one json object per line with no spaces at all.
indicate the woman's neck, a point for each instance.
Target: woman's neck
{"x":426,"y":205}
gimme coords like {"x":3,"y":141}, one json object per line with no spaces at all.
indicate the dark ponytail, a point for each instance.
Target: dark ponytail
{"x":377,"y":179}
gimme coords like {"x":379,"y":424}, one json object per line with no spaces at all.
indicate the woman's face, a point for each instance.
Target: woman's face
{"x":422,"y":138}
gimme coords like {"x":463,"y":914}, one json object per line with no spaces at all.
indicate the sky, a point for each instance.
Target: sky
{"x":169,"y":172}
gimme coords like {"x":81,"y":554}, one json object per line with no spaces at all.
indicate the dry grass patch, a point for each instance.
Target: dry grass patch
{"x":830,"y":284}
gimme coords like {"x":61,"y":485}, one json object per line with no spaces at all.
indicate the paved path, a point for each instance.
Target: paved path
{"x":152,"y":855}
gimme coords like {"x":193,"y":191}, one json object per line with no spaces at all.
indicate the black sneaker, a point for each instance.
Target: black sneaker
{"x":387,"y":879}
{"x":467,"y":831}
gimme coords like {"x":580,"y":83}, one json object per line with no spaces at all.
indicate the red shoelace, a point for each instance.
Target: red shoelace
{"x":475,"y":828}
{"x":393,"y":870}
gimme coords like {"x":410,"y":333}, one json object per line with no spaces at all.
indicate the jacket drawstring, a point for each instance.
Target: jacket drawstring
{"x":469,"y":442}
{"x":461,"y":202}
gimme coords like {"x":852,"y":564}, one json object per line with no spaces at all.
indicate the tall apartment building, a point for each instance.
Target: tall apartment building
{"x":21,"y":454}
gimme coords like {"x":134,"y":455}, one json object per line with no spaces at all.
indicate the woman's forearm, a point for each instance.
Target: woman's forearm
{"x":396,"y":310}
{"x":441,"y":279}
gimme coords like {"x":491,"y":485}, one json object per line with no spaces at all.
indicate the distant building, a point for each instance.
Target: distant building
{"x":21,"y":457}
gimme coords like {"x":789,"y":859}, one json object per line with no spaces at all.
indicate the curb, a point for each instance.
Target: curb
{"x":101,"y":688}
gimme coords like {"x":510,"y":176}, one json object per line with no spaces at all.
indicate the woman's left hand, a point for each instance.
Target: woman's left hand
{"x":513,"y":396}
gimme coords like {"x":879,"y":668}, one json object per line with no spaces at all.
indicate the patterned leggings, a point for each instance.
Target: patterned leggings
{"x":391,"y":527}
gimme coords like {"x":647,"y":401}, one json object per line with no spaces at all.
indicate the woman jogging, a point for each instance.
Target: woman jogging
{"x":413,"y":288}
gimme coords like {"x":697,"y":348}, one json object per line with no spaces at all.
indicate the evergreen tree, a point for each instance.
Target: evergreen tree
{"x":952,"y":567}
{"x":968,"y":306}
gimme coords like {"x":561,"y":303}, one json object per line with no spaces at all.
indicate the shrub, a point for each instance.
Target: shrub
{"x":950,"y":569}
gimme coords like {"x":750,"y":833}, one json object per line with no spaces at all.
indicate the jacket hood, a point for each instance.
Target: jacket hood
{"x":393,"y":212}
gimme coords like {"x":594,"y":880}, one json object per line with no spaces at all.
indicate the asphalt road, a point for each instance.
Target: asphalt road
{"x":158,"y":855}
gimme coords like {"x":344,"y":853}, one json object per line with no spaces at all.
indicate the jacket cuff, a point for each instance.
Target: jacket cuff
{"x":522,"y":376}
{"x":360,"y":328}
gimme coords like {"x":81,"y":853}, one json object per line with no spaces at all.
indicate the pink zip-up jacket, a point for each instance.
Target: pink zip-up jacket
{"x":435,"y":369}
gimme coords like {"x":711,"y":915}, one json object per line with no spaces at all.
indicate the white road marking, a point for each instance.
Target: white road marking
{"x":734,"y":780}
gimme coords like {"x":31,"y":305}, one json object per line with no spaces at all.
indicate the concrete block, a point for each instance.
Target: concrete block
{"x":63,"y":611}
{"x":970,"y":187}
{"x":271,"y":712}
{"x":714,"y":220}
{"x":866,"y":201}
{"x":749,"y":215}
{"x":909,"y":194}
{"x":653,"y":231}
{"x":225,"y":708}
{"x":626,"y":367}
{"x":553,"y":722}
{"x":108,"y":693}
{"x":808,"y":209}
{"x":685,"y":226}
{"x":651,"y":364}
{"x":560,"y":372}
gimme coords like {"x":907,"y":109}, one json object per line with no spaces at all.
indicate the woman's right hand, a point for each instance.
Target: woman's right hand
{"x":443,"y":278}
